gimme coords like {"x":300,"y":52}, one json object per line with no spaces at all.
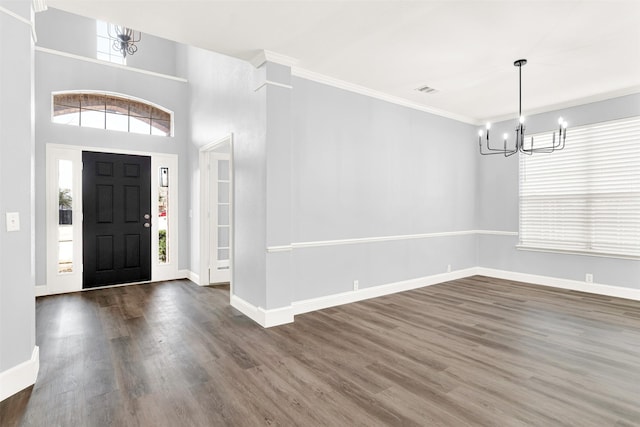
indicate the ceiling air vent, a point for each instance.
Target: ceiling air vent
{"x":426,"y":89}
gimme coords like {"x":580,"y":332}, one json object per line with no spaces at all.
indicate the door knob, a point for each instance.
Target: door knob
{"x":147,"y":216}
{"x":147,"y":225}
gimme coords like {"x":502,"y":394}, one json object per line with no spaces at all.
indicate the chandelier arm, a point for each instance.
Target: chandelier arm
{"x":491,"y":154}
{"x":493,"y":151}
{"x":549,"y":149}
{"x":538,"y":150}
{"x":562,"y":136}
{"x":489,"y":148}
{"x":532,"y":150}
{"x":509,"y":153}
{"x":525,"y":151}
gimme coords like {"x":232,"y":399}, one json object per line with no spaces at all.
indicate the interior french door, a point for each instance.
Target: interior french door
{"x":219,"y":217}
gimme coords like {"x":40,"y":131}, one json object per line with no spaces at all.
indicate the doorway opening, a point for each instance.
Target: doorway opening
{"x":216,"y":213}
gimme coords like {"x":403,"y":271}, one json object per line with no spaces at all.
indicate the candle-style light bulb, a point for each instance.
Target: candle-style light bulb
{"x":521,"y":119}
{"x":564,"y":125}
{"x":505,"y":136}
{"x":488,"y":125}
{"x":480,"y":132}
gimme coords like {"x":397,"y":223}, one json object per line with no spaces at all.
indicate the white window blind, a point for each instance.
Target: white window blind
{"x":585,"y":198}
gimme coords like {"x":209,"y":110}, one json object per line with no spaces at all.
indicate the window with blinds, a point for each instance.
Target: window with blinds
{"x":585,"y":198}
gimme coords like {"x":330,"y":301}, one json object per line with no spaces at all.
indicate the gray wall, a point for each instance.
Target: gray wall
{"x":17,"y":299}
{"x":279,"y":183}
{"x":319,"y":163}
{"x":367,"y":168}
{"x":76,"y":34}
{"x":57,"y":73}
{"x":498,"y":205}
{"x":222,"y":100}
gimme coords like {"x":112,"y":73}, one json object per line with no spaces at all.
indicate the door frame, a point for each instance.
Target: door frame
{"x":205,"y":229}
{"x":72,"y":282}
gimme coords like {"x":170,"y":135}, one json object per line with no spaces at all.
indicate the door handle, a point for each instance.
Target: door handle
{"x":147,"y":216}
{"x":147,"y":225}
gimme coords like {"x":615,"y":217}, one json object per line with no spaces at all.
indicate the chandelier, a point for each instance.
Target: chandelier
{"x":508,"y":150}
{"x":124,"y":39}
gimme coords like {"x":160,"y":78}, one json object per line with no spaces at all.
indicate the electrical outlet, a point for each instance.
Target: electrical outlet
{"x":355,"y":285}
{"x":588,"y":278}
{"x":448,"y":268}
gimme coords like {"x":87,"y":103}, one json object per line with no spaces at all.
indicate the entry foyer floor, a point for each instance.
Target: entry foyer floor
{"x":475,"y":351}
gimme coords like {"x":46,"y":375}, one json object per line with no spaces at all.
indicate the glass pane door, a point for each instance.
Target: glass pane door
{"x":224,"y":210}
{"x":219,"y":217}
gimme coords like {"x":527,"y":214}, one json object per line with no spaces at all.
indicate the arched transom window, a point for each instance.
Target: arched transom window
{"x":111,"y":112}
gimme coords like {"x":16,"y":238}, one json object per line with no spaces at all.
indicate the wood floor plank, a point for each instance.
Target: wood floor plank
{"x":471,"y":352}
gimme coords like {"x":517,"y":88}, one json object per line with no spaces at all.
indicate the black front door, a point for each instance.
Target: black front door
{"x":116,"y":208}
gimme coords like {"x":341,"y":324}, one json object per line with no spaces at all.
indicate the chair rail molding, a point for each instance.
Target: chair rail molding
{"x":359,"y":240}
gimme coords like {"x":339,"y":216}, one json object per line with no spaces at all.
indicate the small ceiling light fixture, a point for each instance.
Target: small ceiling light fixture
{"x":519,"y":145}
{"x":124,"y":39}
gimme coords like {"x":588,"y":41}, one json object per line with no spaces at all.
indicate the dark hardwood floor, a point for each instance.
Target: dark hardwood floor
{"x":475,"y":351}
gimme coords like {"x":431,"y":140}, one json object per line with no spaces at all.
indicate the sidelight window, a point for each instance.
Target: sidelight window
{"x":65,"y":216}
{"x":163,"y":216}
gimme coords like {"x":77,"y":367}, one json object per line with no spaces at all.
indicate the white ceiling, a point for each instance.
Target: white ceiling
{"x":578,"y":51}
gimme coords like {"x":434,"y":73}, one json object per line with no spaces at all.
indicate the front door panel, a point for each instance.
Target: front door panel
{"x":116,"y":194}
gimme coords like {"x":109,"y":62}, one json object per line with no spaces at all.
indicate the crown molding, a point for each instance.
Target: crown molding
{"x":269,"y":56}
{"x":39,"y":5}
{"x":270,"y":83}
{"x":568,"y":104}
{"x":351,"y":87}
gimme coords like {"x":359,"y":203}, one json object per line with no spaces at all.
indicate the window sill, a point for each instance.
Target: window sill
{"x":575,"y":252}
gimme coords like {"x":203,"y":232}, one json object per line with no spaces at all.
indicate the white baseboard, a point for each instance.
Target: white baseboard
{"x":249,"y":310}
{"x":313,"y":304}
{"x":278,"y":316}
{"x":20,"y":376}
{"x":265,"y":318}
{"x":42,"y":290}
{"x":574,"y":285}
{"x":188,"y":274}
{"x":268,"y":318}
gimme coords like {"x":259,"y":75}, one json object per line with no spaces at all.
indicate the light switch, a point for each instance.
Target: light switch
{"x":13,"y":221}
